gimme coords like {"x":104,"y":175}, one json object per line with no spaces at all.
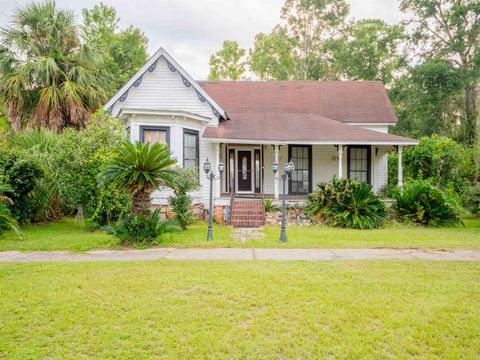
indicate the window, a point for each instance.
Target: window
{"x":301,"y":177}
{"x":190,"y":149}
{"x":155,"y":134}
{"x":359,"y":163}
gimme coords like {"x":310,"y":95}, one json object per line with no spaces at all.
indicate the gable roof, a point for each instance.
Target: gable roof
{"x":275,"y":127}
{"x":188,"y":81}
{"x":345,"y":101}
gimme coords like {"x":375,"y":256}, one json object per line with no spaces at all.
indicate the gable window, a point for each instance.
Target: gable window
{"x":155,"y":134}
{"x":359,"y":163}
{"x":301,"y":178}
{"x":190,"y":149}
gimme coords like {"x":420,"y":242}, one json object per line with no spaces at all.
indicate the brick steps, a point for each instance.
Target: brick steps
{"x":248,"y":213}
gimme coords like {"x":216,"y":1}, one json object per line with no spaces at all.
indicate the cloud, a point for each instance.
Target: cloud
{"x":191,"y":30}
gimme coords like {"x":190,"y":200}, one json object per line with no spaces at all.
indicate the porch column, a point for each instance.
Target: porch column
{"x":340,"y":161}
{"x":400,"y":166}
{"x":217,"y":161}
{"x":277,"y":184}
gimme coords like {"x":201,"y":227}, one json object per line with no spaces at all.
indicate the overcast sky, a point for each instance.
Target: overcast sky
{"x":191,"y":30}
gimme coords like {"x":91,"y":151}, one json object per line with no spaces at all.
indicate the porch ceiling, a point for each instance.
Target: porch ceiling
{"x":271,"y":127}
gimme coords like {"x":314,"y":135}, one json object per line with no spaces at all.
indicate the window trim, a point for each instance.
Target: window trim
{"x":155,"y":128}
{"x":197,"y":134}
{"x":369,"y":160}
{"x":310,"y":170}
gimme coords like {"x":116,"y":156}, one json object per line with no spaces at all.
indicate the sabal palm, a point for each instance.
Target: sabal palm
{"x":47,"y":75}
{"x":6,"y":220}
{"x":139,"y":168}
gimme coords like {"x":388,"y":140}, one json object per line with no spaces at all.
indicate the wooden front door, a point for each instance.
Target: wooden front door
{"x":244,"y":171}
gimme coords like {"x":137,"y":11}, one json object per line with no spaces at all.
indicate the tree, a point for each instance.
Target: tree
{"x":309,"y":24}
{"x":140,"y":169}
{"x":228,"y":62}
{"x":47,"y":75}
{"x":369,"y":51}
{"x":124,"y":50}
{"x":427,"y":99}
{"x":450,"y":29}
{"x":272,"y":56}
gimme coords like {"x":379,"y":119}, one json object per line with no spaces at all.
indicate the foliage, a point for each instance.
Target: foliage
{"x":7,"y":222}
{"x":228,"y":63}
{"x":442,"y":160}
{"x":185,"y":182}
{"x":84,"y":155}
{"x":140,"y":169}
{"x":347,"y":203}
{"x":124,"y":50}
{"x":473,"y":200}
{"x":21,"y":177}
{"x":136,"y":229}
{"x":269,"y":205}
{"x":427,"y":99}
{"x":48,"y":76}
{"x":422,"y":203}
{"x":368,"y":51}
{"x":450,"y":29}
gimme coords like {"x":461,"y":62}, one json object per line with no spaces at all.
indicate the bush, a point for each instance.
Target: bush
{"x":22,"y":177}
{"x":181,"y":201}
{"x":7,"y":222}
{"x":473,"y":201}
{"x":422,"y":203}
{"x":442,"y":160}
{"x":269,"y":205}
{"x":134,"y":229}
{"x":347,"y":203}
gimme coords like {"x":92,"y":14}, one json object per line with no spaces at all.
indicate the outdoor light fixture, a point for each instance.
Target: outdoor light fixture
{"x":287,"y":170}
{"x":207,"y":167}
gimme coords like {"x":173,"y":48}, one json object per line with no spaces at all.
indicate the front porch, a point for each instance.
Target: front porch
{"x":248,"y":168}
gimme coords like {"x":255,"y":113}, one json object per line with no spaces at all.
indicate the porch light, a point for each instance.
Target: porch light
{"x":221,"y":167}
{"x":207,"y":167}
{"x":275,"y":167}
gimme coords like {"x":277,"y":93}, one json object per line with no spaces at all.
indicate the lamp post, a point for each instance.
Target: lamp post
{"x":287,"y":169}
{"x":207,"y":168}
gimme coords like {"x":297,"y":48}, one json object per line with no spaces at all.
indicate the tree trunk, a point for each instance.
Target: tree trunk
{"x":471,"y":114}
{"x":141,"y":202}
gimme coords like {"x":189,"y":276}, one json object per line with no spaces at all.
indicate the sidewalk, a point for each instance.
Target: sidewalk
{"x":241,"y":254}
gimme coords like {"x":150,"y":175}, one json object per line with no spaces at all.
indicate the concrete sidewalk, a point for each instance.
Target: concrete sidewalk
{"x":241,"y":254}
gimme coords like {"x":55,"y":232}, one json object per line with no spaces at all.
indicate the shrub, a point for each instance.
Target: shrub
{"x":137,"y":229}
{"x":7,"y":222}
{"x":181,"y":201}
{"x":442,"y":160}
{"x":422,"y":203}
{"x":22,"y":177}
{"x":269,"y":205}
{"x":473,"y":201}
{"x":347,"y":203}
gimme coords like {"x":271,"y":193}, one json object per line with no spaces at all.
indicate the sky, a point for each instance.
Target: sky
{"x":191,"y":30}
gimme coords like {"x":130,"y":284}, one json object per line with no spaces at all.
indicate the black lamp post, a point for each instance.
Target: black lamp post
{"x":207,"y":167}
{"x":287,"y":169}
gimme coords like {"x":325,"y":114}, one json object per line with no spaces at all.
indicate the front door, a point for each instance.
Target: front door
{"x":244,"y":171}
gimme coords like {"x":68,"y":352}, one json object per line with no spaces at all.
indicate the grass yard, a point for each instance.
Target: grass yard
{"x":68,"y":235}
{"x":238,"y":310}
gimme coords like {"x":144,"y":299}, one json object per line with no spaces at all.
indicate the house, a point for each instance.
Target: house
{"x":326,"y":128}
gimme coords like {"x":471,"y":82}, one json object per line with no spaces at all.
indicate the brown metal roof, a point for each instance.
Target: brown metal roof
{"x":345,"y":101}
{"x":296,"y":128}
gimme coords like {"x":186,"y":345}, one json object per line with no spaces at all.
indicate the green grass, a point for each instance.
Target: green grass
{"x":240,"y":310}
{"x":68,"y":235}
{"x":61,"y":235}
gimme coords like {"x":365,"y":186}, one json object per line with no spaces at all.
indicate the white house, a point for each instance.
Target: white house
{"x":326,"y":128}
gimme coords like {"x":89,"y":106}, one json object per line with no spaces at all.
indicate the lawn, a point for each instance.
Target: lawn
{"x":68,"y":235}
{"x":240,"y":310}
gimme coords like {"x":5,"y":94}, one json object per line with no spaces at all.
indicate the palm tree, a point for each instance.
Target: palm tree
{"x":48,"y":77}
{"x":139,"y":168}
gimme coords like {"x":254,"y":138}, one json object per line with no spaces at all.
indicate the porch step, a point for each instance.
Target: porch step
{"x":247,"y":213}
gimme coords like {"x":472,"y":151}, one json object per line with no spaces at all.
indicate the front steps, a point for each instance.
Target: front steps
{"x":247,"y":213}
